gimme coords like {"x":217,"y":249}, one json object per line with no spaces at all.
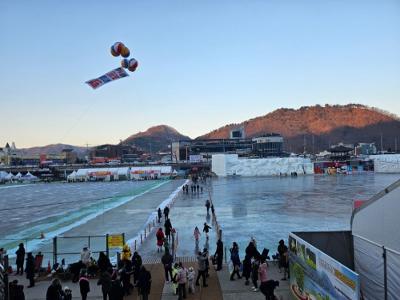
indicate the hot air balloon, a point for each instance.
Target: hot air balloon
{"x":133,"y":64}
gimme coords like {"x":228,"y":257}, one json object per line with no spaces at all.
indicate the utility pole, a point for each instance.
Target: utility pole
{"x":381,"y":143}
{"x":395,"y":145}
{"x":304,"y":144}
{"x":313,"y":150}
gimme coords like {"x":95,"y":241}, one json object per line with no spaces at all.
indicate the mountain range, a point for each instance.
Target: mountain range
{"x":313,"y":128}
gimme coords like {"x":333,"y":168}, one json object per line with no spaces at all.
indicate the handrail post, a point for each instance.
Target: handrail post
{"x":107,"y":248}
{"x":55,"y":250}
{"x":385,"y":271}
{"x":89,"y":241}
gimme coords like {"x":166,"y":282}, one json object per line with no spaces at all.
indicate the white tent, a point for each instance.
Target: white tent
{"x":3,"y":175}
{"x":18,"y":176}
{"x":9,"y":176}
{"x":29,"y":177}
{"x":72,"y":176}
{"x":376,"y":237}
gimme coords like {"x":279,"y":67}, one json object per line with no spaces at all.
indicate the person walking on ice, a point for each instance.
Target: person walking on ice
{"x":208,"y":205}
{"x":206,"y":229}
{"x":159,"y":215}
{"x":196,"y":234}
{"x":160,"y":239}
{"x":166,"y":212}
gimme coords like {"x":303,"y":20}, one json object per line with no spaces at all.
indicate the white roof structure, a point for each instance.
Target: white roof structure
{"x":29,"y":176}
{"x":9,"y":176}
{"x":376,"y":242}
{"x":378,"y":219}
{"x":124,"y":171}
{"x":72,"y":175}
{"x":19,"y":175}
{"x":151,"y":169}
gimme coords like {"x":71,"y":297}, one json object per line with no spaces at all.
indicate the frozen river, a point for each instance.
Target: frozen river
{"x":271,"y":207}
{"x":77,"y":209}
{"x":267,"y":208}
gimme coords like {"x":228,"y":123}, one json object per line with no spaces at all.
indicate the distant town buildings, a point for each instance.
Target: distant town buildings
{"x":202,"y":150}
{"x":11,"y":156}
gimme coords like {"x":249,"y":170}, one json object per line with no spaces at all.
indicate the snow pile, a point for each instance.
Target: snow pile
{"x":386,"y":163}
{"x":225,"y":165}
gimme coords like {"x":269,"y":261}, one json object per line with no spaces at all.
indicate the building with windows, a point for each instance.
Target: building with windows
{"x":263,"y":146}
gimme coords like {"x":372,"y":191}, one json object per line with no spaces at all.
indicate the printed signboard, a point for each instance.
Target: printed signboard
{"x":115,"y":241}
{"x":316,"y":275}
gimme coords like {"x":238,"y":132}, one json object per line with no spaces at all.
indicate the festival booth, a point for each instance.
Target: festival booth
{"x":376,"y":238}
{"x":321,"y":266}
{"x":3,"y":176}
{"x":102,"y":174}
{"x":9,"y":177}
{"x":18,"y":176}
{"x":28,"y":177}
{"x":72,"y":177}
{"x":150,"y":172}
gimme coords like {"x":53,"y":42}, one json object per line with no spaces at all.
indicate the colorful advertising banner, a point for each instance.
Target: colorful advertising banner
{"x":110,"y":76}
{"x":316,"y":276}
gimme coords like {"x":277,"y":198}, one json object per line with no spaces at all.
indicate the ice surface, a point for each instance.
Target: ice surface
{"x":268,"y":208}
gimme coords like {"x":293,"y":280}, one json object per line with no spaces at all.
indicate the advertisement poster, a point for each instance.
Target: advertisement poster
{"x":115,"y":241}
{"x":317,"y":276}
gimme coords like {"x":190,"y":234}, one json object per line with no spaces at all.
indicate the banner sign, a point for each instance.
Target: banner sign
{"x":110,"y":76}
{"x":115,"y":241}
{"x":195,"y":158}
{"x":316,"y":275}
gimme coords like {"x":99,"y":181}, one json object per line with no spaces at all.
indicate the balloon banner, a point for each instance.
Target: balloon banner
{"x":110,"y":76}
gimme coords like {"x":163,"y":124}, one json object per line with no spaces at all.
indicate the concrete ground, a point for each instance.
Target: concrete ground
{"x":219,"y":286}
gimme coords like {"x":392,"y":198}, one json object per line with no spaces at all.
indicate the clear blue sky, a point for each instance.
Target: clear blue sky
{"x":203,"y":64}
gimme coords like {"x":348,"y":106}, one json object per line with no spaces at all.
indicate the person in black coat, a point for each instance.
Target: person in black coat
{"x":167,"y":261}
{"x":167,"y":227}
{"x":30,"y":269}
{"x":117,"y":291}
{"x":219,"y":254}
{"x":137,"y":264}
{"x":54,"y":291}
{"x":84,"y":285}
{"x":103,"y":262}
{"x":16,"y":291}
{"x":246,"y":269}
{"x":251,"y":250}
{"x":106,"y":283}
{"x":20,"y":258}
{"x":166,"y":212}
{"x":144,"y":283}
{"x":159,"y":215}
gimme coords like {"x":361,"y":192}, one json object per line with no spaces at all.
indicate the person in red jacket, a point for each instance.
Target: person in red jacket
{"x":160,"y":239}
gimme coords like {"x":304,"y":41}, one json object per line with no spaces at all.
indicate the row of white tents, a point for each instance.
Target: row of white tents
{"x":123,"y":173}
{"x":10,"y":177}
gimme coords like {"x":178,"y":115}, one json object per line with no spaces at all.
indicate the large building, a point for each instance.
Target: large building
{"x":121,"y":152}
{"x":202,"y":150}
